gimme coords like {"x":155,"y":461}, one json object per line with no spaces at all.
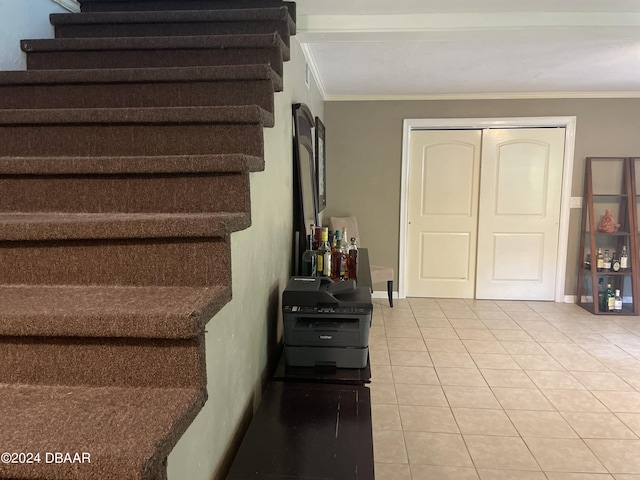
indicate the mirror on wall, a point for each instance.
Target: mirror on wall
{"x":305,"y":197}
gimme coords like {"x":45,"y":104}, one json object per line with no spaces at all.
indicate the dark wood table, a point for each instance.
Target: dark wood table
{"x":308,"y":431}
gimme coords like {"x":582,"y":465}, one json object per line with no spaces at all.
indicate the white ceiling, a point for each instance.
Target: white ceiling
{"x":369,"y":49}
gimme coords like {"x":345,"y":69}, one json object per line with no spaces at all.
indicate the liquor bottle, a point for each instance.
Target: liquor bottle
{"x":344,"y":255}
{"x":615,"y":263}
{"x":324,"y":255}
{"x":602,"y":298}
{"x":624,"y":259}
{"x":607,"y":261}
{"x":611,"y":299}
{"x":335,"y":256}
{"x":617,"y":302}
{"x":309,"y":263}
{"x":352,"y":260}
{"x":317,"y":237}
{"x":599,"y":261}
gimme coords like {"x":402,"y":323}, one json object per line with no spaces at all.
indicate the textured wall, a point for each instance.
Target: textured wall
{"x":364,"y":156}
{"x":245,"y":332}
{"x":22,"y":19}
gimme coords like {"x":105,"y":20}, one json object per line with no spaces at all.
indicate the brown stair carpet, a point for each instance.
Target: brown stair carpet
{"x":126,"y":152}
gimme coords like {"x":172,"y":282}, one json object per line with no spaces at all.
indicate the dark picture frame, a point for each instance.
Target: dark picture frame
{"x":321,"y":165}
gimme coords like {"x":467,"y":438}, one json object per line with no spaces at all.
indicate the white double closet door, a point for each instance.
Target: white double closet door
{"x":483,"y":213}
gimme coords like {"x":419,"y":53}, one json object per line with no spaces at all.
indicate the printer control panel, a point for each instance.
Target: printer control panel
{"x":327,"y":310}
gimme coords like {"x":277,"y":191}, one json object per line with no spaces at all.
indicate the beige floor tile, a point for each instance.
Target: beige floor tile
{"x":434,"y":332}
{"x":385,"y":417}
{"x":391,"y":471}
{"x":389,"y":447}
{"x":542,"y":424}
{"x":406,"y":344}
{"x":400,"y":321}
{"x":452,"y":360}
{"x":403,"y":332}
{"x":377,"y":331}
{"x":429,"y":313}
{"x":495,"y":361}
{"x":564,"y":455}
{"x":598,"y":425}
{"x":432,"y":472}
{"x":475,"y":334}
{"x":410,"y":359}
{"x":510,"y":475}
{"x":500,"y":453}
{"x":632,"y":378}
{"x":581,"y":363}
{"x":450,"y":345}
{"x":619,"y":456}
{"x":523,"y":348}
{"x":499,"y":324}
{"x":622,"y":476}
{"x":461,"y":323}
{"x":537,"y":362}
{"x":492,"y":315}
{"x":470,"y":377}
{"x":602,"y":381}
{"x":383,"y":393}
{"x":427,"y":419}
{"x":479,"y":421}
{"x":622,"y":402}
{"x":507,"y":378}
{"x":484,"y":346}
{"x":433,"y":322}
{"x":446,"y":449}
{"x":379,"y":357}
{"x":574,"y":400}
{"x":424,"y":395}
{"x":631,"y":420}
{"x":554,"y":379}
{"x":522,"y":399}
{"x":415,"y":375}
{"x":470,"y":397}
{"x":511,"y":335}
{"x":381,"y":373}
{"x":578,"y":476}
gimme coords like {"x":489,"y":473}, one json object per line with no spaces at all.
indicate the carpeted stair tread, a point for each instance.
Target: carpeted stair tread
{"x":109,"y":311}
{"x":161,"y":23}
{"x":181,"y":5}
{"x":128,"y":432}
{"x":223,"y":163}
{"x":145,"y":115}
{"x":91,"y":226}
{"x":157,"y":43}
{"x":141,"y":75}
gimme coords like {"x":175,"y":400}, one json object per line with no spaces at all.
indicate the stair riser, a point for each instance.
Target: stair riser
{"x":103,"y":362}
{"x":172,"y":29}
{"x":126,"y":194}
{"x":127,"y":58}
{"x":167,"y":262}
{"x":152,"y":94}
{"x":168,"y":5}
{"x":106,"y":140}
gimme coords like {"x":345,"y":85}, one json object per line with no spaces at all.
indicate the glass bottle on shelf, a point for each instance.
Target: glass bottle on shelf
{"x":615,"y":262}
{"x":617,"y":302}
{"x":353,"y":260}
{"x":335,"y":256}
{"x":624,"y":259}
{"x":309,"y":265}
{"x":324,"y":255}
{"x":607,"y":261}
{"x":610,"y":299}
{"x":599,"y":261}
{"x":344,"y":254}
{"x":601,"y":295}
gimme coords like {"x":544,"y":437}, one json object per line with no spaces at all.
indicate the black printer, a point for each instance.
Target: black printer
{"x":326,"y":323}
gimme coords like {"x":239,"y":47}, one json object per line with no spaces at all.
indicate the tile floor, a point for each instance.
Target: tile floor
{"x":492,"y":390}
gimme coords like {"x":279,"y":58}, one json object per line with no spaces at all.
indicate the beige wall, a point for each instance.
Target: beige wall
{"x":364,"y":156}
{"x":244,"y":334}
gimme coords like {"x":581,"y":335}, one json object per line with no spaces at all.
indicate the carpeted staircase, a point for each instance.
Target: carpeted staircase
{"x":125,"y":152}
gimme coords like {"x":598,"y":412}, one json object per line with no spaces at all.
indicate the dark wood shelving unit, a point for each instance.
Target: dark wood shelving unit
{"x":595,"y":203}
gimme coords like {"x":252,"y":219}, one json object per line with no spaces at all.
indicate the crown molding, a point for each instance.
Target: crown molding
{"x":71,"y":5}
{"x":313,"y":66}
{"x":480,"y":96}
